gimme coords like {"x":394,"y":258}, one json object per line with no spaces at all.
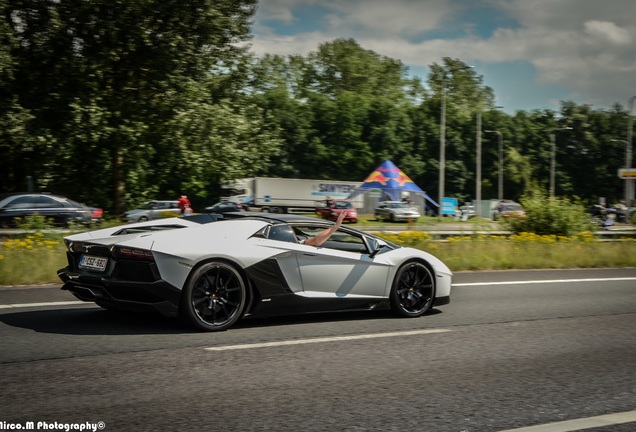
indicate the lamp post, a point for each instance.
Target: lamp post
{"x":478,"y":170}
{"x":442,"y":148}
{"x":501,"y":169}
{"x":553,"y":159}
{"x":442,"y":142}
{"x":627,"y":163}
{"x":629,"y":183}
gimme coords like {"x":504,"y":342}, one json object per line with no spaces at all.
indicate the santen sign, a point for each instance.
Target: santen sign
{"x":625,"y":173}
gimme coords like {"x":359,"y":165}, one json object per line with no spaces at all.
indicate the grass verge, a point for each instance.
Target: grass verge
{"x":35,"y":258}
{"x":522,"y":251}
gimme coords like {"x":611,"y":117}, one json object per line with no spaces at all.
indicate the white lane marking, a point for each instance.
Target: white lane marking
{"x":27,"y":305}
{"x":546,"y":281}
{"x":580,"y":424}
{"x":325,"y":339}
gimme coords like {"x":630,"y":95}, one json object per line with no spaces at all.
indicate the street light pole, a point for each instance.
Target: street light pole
{"x":553,"y":160}
{"x":552,"y":164}
{"x":478,"y":156}
{"x":442,"y":142}
{"x":501,"y":165}
{"x":627,"y":162}
{"x":629,"y":183}
{"x":442,"y":149}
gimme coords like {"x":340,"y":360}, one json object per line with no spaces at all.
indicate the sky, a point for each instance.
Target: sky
{"x":532,"y":53}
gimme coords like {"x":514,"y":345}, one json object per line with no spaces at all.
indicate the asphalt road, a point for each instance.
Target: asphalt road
{"x":513,"y":349}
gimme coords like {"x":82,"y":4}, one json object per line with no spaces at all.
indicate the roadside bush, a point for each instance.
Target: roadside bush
{"x":550,"y":216}
{"x":33,"y":222}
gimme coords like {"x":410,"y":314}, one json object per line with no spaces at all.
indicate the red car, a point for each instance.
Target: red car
{"x":507,"y":209}
{"x":332,"y":208}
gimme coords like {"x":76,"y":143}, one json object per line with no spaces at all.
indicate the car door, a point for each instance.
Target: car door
{"x":224,"y":207}
{"x":342,"y":268}
{"x":160,"y":210}
{"x":52,"y":210}
{"x":382,"y":211}
{"x":15,"y":208}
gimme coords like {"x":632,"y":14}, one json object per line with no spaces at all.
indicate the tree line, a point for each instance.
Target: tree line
{"x":112,"y":102}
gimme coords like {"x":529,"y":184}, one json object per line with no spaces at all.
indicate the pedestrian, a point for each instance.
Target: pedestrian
{"x":184,"y":205}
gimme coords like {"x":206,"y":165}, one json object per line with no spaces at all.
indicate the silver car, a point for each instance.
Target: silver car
{"x":153,"y":210}
{"x":396,"y":211}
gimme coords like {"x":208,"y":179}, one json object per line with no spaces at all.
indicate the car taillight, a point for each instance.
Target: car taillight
{"x":132,"y":253}
{"x":97,"y":212}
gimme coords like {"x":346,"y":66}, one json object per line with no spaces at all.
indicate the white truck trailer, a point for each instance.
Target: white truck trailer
{"x":284,"y":195}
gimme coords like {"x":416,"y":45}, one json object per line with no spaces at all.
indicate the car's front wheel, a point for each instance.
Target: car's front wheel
{"x":214,"y":296}
{"x":413,"y":289}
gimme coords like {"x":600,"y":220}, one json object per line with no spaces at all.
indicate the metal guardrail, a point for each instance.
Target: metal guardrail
{"x":439,"y":231}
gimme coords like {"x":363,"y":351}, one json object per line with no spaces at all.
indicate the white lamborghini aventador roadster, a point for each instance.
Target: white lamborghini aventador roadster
{"x":213,"y":272}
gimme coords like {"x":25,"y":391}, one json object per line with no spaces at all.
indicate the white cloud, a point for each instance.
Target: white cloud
{"x":279,"y":10}
{"x":609,"y":31}
{"x":583,"y":45}
{"x":397,"y":17}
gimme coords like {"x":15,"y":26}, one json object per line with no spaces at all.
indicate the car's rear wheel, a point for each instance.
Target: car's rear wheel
{"x":214,"y":296}
{"x":143,"y":219}
{"x":413,"y":289}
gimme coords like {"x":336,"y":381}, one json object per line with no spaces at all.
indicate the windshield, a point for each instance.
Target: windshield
{"x":398,"y":205}
{"x":342,"y":205}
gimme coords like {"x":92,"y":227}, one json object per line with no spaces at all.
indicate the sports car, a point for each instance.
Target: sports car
{"x":213,"y":270}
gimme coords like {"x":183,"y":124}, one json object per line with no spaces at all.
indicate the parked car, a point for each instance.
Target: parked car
{"x":97,"y":214}
{"x":396,"y":211}
{"x":467,"y":211}
{"x":58,"y":210}
{"x":507,"y":209}
{"x":212,"y":273}
{"x":225,"y":207}
{"x":330,"y":209}
{"x":154,"y":209}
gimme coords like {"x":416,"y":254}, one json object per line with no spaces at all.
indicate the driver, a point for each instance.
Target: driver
{"x":323,"y":236}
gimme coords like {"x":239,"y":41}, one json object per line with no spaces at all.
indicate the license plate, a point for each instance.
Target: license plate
{"x":91,"y":262}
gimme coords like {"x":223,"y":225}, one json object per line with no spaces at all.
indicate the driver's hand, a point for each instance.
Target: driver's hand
{"x":341,"y":217}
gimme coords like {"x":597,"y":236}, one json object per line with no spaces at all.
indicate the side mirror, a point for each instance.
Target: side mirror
{"x":375,"y":246}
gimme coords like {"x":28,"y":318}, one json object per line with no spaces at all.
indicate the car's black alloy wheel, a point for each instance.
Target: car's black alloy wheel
{"x":214,"y":297}
{"x":413,"y":289}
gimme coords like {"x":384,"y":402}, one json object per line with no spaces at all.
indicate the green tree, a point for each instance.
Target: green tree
{"x":108,"y":77}
{"x":340,"y":110}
